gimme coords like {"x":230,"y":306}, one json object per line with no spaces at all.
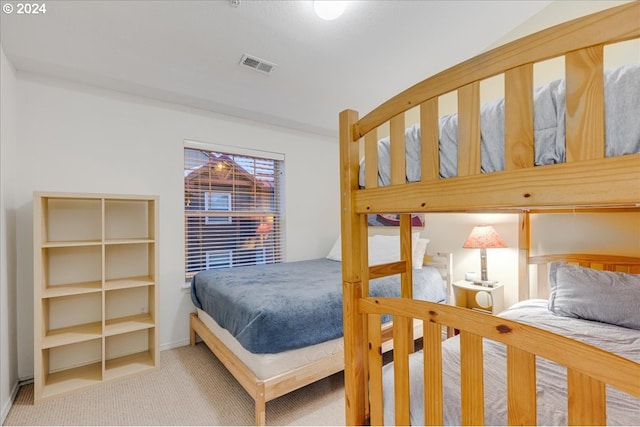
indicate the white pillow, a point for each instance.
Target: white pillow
{"x":418,"y":253}
{"x":336,"y":251}
{"x":382,"y":249}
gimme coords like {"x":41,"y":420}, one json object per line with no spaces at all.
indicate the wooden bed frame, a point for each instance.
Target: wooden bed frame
{"x":264,"y":390}
{"x":587,"y":181}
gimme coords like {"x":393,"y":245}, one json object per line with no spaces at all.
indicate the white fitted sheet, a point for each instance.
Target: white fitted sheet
{"x":265,"y":366}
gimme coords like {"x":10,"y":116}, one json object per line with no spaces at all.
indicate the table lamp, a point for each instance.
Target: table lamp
{"x":483,"y":237}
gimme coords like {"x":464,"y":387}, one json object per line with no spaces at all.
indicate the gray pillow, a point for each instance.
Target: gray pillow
{"x":603,"y":296}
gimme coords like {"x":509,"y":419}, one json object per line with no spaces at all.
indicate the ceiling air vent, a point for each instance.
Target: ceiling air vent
{"x":257,"y":64}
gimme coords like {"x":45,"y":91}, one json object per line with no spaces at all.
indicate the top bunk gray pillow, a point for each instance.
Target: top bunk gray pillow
{"x":603,"y":296}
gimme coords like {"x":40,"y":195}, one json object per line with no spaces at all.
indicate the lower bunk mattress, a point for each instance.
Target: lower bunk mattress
{"x":280,"y":307}
{"x":622,"y":409}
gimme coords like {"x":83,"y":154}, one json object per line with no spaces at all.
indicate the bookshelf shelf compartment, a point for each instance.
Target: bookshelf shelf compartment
{"x":72,"y":289}
{"x":95,"y":302}
{"x":127,"y":353}
{"x":71,"y":219}
{"x":126,"y":366}
{"x":69,"y":368}
{"x":128,"y":260}
{"x":126,"y":324}
{"x":70,"y":265}
{"x":72,"y":380}
{"x":72,"y":335}
{"x":129,"y":282}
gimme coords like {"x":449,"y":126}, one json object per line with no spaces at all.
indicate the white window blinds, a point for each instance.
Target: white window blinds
{"x":233,"y":210}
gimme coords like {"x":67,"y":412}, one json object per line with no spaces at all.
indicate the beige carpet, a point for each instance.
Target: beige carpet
{"x":191,"y":387}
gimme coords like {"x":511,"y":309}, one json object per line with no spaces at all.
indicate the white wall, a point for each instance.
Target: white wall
{"x":616,"y":233}
{"x":8,"y":327}
{"x":82,"y":139}
{"x":556,"y":13}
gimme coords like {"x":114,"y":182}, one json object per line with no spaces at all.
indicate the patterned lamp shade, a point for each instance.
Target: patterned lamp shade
{"x":483,"y":237}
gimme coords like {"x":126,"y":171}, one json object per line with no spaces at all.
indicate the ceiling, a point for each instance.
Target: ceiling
{"x":188,"y":52}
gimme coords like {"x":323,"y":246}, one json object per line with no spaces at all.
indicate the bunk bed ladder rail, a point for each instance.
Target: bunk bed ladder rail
{"x":357,"y":273}
{"x":586,"y":385}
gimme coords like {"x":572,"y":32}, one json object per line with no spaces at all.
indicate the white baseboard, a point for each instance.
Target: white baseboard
{"x":175,"y":344}
{"x":6,"y":406}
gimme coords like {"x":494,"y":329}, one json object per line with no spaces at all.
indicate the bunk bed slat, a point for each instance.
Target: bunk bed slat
{"x":521,"y":387}
{"x":371,"y":157}
{"x":401,"y":342}
{"x":397,"y":147}
{"x":469,"y":129}
{"x":375,"y":371}
{"x":432,"y":350}
{"x":429,"y":140}
{"x":585,"y":104}
{"x":389,"y":269}
{"x":406,"y":277}
{"x":587,"y":400}
{"x":472,"y":379}
{"x":518,"y":118}
{"x":524,"y":243}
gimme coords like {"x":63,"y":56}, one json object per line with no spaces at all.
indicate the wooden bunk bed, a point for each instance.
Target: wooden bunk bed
{"x":588,"y":180}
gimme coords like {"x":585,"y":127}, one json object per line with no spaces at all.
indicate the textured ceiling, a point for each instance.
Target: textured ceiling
{"x":187,"y":52}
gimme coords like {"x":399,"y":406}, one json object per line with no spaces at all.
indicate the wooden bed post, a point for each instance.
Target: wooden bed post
{"x":260,"y":405}
{"x":524,"y":245}
{"x":351,"y":232}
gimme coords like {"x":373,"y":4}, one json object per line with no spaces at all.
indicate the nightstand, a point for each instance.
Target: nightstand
{"x":477,"y":297}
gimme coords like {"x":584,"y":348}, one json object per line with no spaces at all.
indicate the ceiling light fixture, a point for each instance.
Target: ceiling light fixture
{"x":329,"y":9}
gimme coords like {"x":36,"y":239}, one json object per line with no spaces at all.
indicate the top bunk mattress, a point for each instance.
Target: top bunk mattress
{"x":622,"y":129}
{"x":277,"y":307}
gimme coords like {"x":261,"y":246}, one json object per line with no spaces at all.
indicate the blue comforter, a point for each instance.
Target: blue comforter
{"x":278,"y":307}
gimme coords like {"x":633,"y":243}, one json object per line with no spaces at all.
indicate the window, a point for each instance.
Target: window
{"x":219,"y":259}
{"x":233,"y":207}
{"x":215,"y":201}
